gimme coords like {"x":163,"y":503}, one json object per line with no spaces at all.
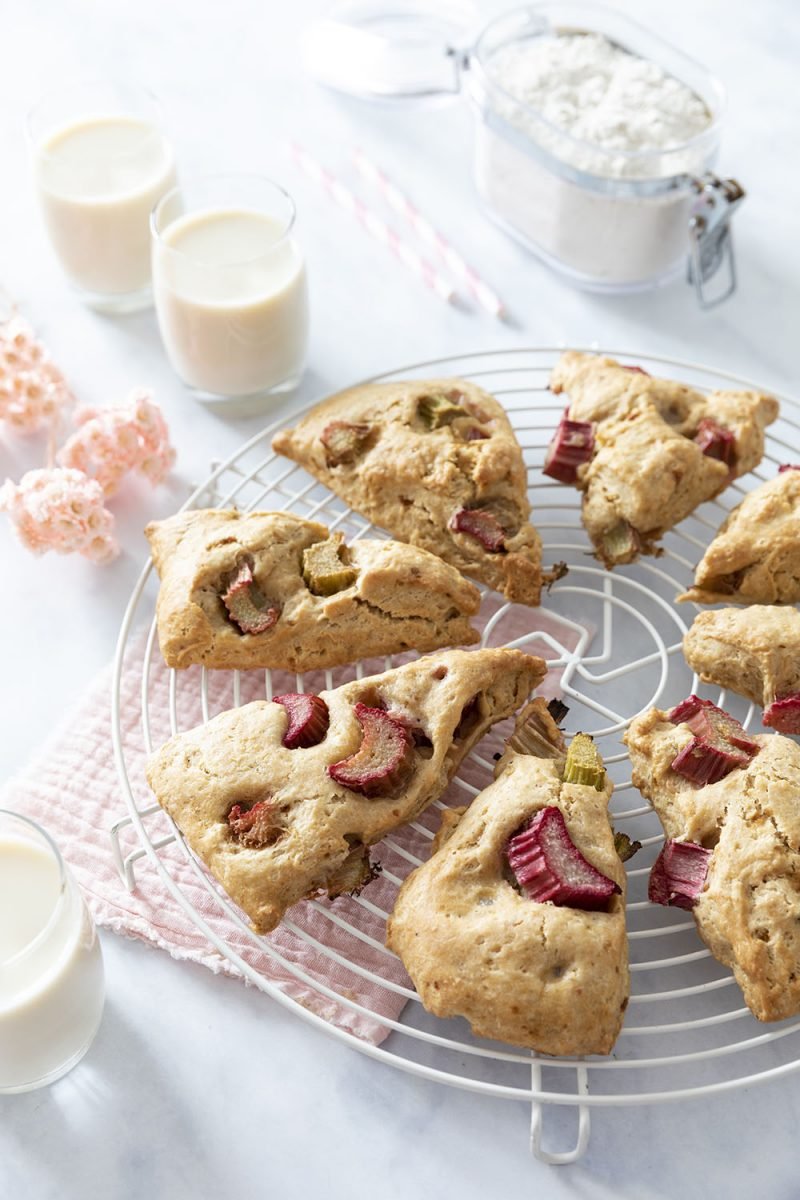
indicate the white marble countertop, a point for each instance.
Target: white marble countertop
{"x":197,"y":1086}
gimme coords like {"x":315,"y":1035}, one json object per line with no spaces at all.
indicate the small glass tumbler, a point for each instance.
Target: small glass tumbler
{"x":101,"y":162}
{"x":51,"y":967}
{"x":230,"y":289}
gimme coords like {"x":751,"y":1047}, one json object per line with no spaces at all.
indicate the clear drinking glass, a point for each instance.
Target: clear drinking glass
{"x":101,"y":162}
{"x":230,"y":289}
{"x":51,"y":967}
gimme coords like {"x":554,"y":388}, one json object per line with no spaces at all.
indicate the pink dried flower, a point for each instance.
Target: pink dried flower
{"x":112,"y":441}
{"x":59,"y":509}
{"x":32,"y":389}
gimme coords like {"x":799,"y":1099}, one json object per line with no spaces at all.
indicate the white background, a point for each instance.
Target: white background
{"x":197,"y":1086}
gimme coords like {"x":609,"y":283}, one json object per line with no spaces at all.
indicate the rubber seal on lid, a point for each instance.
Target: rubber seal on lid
{"x":384,"y":51}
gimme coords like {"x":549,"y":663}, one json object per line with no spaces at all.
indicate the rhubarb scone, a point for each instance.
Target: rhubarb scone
{"x":646,"y":452}
{"x":517,"y":921}
{"x":264,"y":589}
{"x":755,"y":556}
{"x":728,"y":804}
{"x":436,"y":463}
{"x":282,"y":799}
{"x":755,"y":652}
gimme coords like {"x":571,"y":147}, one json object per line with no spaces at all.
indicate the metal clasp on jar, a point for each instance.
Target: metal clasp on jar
{"x":710,"y":237}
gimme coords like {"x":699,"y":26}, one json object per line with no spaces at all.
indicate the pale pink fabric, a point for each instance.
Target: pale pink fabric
{"x":73,"y":790}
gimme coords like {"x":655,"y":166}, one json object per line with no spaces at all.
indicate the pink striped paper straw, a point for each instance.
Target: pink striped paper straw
{"x":400,"y":202}
{"x":374,"y":225}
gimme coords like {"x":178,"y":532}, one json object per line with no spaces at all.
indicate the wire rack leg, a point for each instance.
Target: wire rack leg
{"x":560,"y":1158}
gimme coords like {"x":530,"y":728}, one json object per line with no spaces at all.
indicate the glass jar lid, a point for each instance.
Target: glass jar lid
{"x":392,"y":51}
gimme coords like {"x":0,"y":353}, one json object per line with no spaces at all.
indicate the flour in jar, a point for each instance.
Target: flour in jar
{"x":599,"y":94}
{"x":590,"y":162}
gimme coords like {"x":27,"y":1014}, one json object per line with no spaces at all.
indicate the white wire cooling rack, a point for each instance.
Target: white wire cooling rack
{"x":616,"y":636}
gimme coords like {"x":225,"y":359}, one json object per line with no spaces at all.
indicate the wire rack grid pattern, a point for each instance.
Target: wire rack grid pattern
{"x":616,"y":640}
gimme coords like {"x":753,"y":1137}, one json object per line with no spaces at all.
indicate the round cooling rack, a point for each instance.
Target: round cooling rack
{"x":615,"y":637}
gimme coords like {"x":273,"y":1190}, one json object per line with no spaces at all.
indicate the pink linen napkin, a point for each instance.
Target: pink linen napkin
{"x":73,"y":790}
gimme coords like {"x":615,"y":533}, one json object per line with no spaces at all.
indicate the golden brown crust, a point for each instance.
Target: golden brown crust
{"x":747,"y":911}
{"x":411,"y":479}
{"x":238,"y":758}
{"x":647,"y":471}
{"x":553,"y":979}
{"x":753,"y":651}
{"x":403,"y":598}
{"x":755,"y":555}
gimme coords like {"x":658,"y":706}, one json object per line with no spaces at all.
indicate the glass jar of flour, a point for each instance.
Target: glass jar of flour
{"x":594,"y":139}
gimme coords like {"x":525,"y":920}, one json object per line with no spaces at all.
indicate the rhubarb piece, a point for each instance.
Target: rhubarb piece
{"x":325,"y":570}
{"x":571,"y":446}
{"x":584,"y":764}
{"x":308,"y":719}
{"x":716,"y":441}
{"x":678,"y":874}
{"x":353,"y":875}
{"x":344,"y":441}
{"x":624,"y":847}
{"x":474,"y":434}
{"x":712,"y":724}
{"x":701,"y":762}
{"x":257,"y":826}
{"x":788,"y":467}
{"x":383,"y":760}
{"x":536,"y":733}
{"x":246,"y":605}
{"x":635,"y":370}
{"x":548,"y":865}
{"x":481,"y":524}
{"x":440,"y":409}
{"x":784,"y":714}
{"x":620,"y":544}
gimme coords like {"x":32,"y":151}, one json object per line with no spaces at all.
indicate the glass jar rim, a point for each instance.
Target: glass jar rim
{"x":152,"y":129}
{"x":39,"y":938}
{"x":234,"y":177}
{"x":480,"y":56}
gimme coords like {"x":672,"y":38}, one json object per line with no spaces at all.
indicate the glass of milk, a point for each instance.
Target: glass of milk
{"x":101,"y":163}
{"x":230,"y":289}
{"x":51,"y":967}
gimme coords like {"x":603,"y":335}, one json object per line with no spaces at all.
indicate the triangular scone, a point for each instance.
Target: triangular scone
{"x":276,"y":823}
{"x":436,"y":463}
{"x":313,"y":602}
{"x":546,"y":976}
{"x":755,"y":652}
{"x":656,"y":449}
{"x":755,"y":556}
{"x":747,"y":910}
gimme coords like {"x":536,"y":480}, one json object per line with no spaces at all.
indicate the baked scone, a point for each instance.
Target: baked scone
{"x":436,"y":463}
{"x":266,"y":589}
{"x":755,"y":556}
{"x":646,"y":452}
{"x":541,"y":974}
{"x":755,"y":652}
{"x":736,"y":849}
{"x":282,"y":799}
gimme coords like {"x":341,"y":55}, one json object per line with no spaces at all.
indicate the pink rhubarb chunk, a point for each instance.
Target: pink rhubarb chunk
{"x":784,"y":714}
{"x":255,"y":827}
{"x":678,"y":874}
{"x":716,"y":441}
{"x":308,"y":719}
{"x":383,"y":760}
{"x":549,"y":866}
{"x":480,"y":524}
{"x":571,"y":446}
{"x":246,"y":607}
{"x":719,"y":746}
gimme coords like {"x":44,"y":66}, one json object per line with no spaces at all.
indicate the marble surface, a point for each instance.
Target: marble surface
{"x":197,"y":1086}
